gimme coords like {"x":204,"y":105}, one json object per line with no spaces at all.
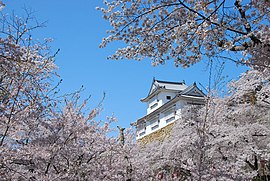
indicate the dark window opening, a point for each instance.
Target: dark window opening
{"x":168,"y":97}
{"x":153,"y":106}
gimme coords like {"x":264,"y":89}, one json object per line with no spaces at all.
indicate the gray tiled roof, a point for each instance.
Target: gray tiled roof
{"x":180,"y":86}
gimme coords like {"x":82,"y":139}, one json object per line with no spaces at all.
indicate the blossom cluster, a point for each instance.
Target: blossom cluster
{"x":186,"y":31}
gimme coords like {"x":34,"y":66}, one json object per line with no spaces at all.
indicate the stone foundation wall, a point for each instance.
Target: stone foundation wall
{"x":158,"y":135}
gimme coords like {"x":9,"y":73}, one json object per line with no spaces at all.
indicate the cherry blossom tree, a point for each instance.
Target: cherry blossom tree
{"x":25,"y":84}
{"x":67,"y":145}
{"x":186,"y":31}
{"x":44,"y":136}
{"x":227,"y":141}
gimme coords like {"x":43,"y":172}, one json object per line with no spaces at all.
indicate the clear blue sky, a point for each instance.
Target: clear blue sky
{"x":77,"y":29}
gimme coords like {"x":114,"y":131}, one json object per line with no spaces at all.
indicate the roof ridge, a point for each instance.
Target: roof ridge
{"x":170,"y":82}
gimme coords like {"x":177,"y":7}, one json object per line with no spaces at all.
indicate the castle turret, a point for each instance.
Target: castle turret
{"x":164,"y":103}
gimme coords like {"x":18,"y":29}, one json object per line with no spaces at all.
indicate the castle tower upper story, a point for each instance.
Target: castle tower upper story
{"x":164,"y":103}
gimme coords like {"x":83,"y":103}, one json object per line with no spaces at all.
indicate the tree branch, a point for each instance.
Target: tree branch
{"x":208,"y":19}
{"x":246,"y":23}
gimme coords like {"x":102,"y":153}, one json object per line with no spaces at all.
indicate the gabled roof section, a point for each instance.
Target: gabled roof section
{"x":197,"y":100}
{"x":154,"y":87}
{"x":158,"y":85}
{"x":193,"y":90}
